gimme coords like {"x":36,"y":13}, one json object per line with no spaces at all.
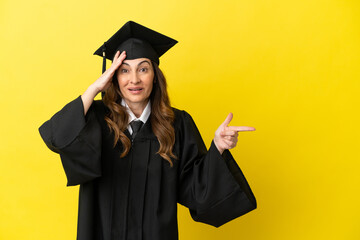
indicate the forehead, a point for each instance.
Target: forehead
{"x":136,"y":62}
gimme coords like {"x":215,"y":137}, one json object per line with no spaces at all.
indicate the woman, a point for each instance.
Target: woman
{"x":132,"y":174}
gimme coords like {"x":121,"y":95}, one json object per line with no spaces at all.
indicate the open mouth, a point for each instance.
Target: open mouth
{"x":135,"y":90}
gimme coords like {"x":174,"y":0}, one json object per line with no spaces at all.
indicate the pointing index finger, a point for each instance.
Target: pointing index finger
{"x":240,"y":128}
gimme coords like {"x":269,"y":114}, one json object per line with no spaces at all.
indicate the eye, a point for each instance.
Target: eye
{"x":143,"y":69}
{"x":123,"y":70}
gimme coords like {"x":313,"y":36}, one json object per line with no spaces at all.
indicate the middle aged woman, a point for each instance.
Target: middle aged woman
{"x":135,"y":157}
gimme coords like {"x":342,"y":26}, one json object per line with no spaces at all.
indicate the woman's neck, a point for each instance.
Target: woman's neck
{"x":137,"y":108}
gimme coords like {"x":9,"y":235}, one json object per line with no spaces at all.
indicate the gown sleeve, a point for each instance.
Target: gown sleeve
{"x":211,"y":185}
{"x":77,"y":138}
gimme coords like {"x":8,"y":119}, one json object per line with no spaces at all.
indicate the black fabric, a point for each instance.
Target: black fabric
{"x":135,"y":126}
{"x":136,"y":197}
{"x":138,"y":41}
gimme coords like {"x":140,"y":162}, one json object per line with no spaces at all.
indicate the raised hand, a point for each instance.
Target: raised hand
{"x":226,"y":136}
{"x":103,"y":82}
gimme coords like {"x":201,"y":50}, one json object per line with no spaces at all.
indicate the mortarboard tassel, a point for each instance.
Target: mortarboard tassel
{"x":104,"y":64}
{"x":104,"y":58}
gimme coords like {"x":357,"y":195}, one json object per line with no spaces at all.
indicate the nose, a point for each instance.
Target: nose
{"x":134,"y":78}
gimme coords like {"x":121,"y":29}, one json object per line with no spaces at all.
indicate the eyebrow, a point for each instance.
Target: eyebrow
{"x":139,"y":63}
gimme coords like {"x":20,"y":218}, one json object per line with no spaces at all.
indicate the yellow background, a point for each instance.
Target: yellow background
{"x":288,"y":68}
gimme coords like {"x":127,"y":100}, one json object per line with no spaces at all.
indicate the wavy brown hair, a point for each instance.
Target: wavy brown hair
{"x":161,"y":117}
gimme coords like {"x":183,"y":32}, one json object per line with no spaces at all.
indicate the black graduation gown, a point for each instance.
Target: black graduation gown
{"x":135,"y":197}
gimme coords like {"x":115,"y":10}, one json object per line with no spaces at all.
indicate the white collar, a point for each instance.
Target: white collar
{"x":144,"y":115}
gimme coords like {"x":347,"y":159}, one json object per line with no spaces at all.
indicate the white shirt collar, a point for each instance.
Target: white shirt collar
{"x":144,"y":115}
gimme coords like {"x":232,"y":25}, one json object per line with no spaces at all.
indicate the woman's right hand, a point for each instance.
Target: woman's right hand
{"x":103,"y":82}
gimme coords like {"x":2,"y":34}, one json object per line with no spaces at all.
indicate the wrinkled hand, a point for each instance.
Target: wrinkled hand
{"x":226,"y":136}
{"x":104,"y":81}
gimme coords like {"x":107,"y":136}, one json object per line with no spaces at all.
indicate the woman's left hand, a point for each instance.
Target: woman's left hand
{"x":226,"y":136}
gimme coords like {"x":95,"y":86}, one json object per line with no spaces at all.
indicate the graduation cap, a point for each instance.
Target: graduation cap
{"x":138,"y":42}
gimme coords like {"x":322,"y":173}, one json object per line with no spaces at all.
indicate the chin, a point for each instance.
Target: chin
{"x":136,"y":100}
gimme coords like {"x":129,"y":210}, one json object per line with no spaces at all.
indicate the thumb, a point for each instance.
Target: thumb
{"x":227,"y":120}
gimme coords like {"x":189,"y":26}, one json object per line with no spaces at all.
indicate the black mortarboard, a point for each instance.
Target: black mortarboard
{"x":138,"y":42}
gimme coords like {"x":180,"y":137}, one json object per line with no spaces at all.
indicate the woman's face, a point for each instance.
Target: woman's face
{"x":135,"y":78}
